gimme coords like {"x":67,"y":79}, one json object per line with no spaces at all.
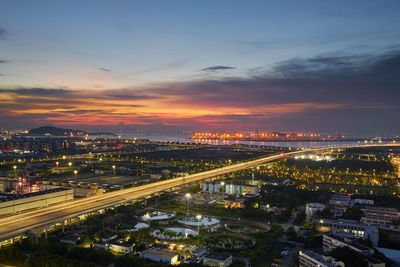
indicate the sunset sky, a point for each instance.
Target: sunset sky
{"x":329,"y":66}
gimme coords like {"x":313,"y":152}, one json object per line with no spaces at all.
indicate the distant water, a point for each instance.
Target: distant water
{"x":183,"y":138}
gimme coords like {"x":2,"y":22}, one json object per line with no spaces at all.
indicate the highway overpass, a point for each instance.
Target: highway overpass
{"x":19,"y":224}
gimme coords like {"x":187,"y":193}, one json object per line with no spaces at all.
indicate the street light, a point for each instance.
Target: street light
{"x":57,"y":163}
{"x":69,"y":164}
{"x":113,"y":167}
{"x":75,"y":173}
{"x":188,"y":196}
{"x":198,"y":217}
{"x":15,"y":169}
{"x":222,"y":186}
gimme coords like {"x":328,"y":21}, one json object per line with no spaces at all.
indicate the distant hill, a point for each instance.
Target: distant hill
{"x":55,"y":131}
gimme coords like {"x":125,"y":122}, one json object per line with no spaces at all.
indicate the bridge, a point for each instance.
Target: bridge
{"x":40,"y":220}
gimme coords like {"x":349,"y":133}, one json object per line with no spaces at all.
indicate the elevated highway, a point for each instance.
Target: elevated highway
{"x":19,"y":224}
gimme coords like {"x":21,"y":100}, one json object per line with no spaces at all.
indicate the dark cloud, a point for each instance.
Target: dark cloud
{"x":36,"y":91}
{"x":81,"y":111}
{"x":341,"y":67}
{"x":217,"y":68}
{"x":370,"y":80}
{"x":104,"y":69}
{"x":3,"y":61}
{"x":129,"y":94}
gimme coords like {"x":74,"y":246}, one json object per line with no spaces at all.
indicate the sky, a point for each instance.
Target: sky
{"x":326,"y":66}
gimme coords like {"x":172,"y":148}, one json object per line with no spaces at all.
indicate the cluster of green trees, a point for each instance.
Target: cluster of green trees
{"x":266,"y":249}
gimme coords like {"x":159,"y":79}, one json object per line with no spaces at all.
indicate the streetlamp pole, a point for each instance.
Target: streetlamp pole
{"x":222,"y":186}
{"x":198,"y":217}
{"x":188,"y":196}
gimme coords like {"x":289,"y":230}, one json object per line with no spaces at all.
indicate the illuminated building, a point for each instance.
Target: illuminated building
{"x":349,"y":229}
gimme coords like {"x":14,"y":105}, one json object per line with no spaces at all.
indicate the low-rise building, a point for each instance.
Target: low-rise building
{"x":108,"y":237}
{"x":310,"y":258}
{"x":362,"y":201}
{"x":121,"y":246}
{"x":161,"y":255}
{"x":217,"y":259}
{"x":349,"y":229}
{"x":250,"y":190}
{"x":380,"y":215}
{"x":70,"y":238}
{"x":332,"y":242}
{"x":338,"y":204}
{"x":313,"y":208}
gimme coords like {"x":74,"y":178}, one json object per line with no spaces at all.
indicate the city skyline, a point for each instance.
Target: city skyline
{"x":328,"y":67}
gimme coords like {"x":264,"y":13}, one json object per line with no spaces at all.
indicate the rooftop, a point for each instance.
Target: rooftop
{"x":352,"y":243}
{"x":327,"y":261}
{"x":10,"y":197}
{"x":218,"y":256}
{"x":161,"y":252}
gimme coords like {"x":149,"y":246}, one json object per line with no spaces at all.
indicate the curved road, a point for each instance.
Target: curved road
{"x":16,"y":225}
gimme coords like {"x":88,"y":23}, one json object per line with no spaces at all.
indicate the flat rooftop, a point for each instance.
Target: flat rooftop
{"x":10,"y":197}
{"x":218,"y":256}
{"x":160,"y":252}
